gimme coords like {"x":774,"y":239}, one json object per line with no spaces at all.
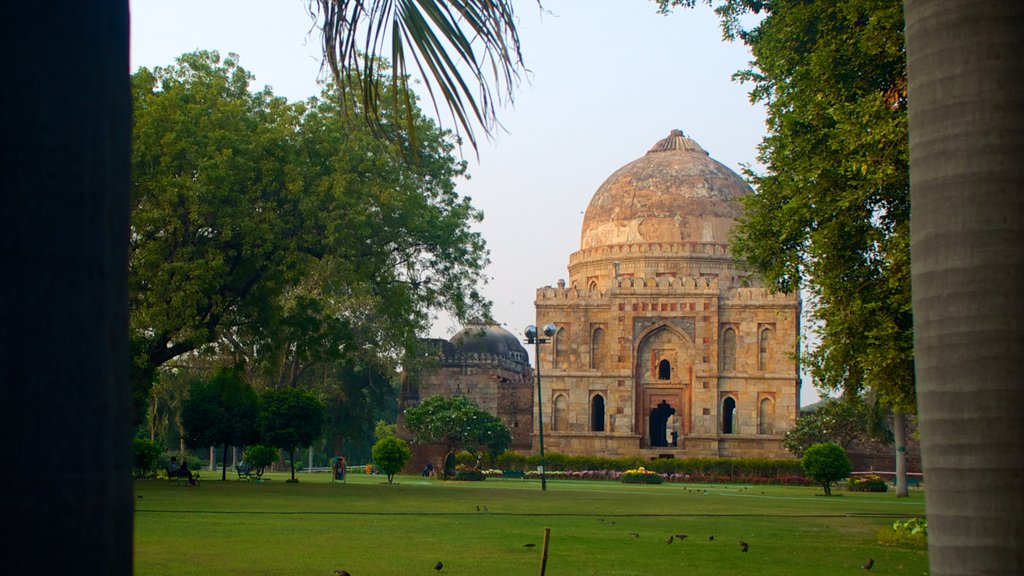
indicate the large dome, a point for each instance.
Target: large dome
{"x":489,"y":339}
{"x":676,"y":193}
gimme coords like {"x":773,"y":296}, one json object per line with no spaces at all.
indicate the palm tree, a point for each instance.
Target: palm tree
{"x":441,"y":39}
{"x":967,"y":193}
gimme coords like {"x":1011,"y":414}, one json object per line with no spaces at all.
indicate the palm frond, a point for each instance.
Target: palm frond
{"x":466,"y":52}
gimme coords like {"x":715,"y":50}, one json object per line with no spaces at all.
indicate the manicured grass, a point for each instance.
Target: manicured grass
{"x":368,"y":527}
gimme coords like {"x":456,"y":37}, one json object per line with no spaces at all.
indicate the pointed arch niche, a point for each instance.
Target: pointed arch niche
{"x":597,"y":411}
{"x":560,"y":414}
{"x":664,"y":375}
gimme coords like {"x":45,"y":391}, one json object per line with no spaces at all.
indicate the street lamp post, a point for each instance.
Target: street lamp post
{"x":532,"y":338}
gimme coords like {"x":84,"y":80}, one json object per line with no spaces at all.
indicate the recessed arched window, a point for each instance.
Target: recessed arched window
{"x":561,"y":345}
{"x":593,"y":286}
{"x":560,"y":418}
{"x":728,"y":349}
{"x":596,"y":351}
{"x":597,"y":413}
{"x":664,"y":370}
{"x":766,"y":416}
{"x":728,"y":415}
{"x":764,"y":343}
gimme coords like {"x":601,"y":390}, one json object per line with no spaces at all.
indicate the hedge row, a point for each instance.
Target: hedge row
{"x":699,"y":469}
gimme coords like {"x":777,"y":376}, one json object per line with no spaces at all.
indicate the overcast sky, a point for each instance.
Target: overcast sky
{"x":608,"y":78}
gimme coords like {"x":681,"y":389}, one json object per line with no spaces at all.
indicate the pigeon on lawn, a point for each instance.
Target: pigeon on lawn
{"x":743,"y":546}
{"x":869,"y":564}
{"x":711,"y":538}
{"x":341,"y":573}
{"x":438,"y":566}
{"x":634,"y":534}
{"x":530,"y":545}
{"x":669,"y":540}
{"x":681,"y":536}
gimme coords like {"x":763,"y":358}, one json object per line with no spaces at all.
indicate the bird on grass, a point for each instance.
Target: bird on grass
{"x":530,"y":545}
{"x":681,"y":536}
{"x":341,"y":573}
{"x":743,"y":546}
{"x":634,"y":534}
{"x":668,"y":540}
{"x":438,"y":566}
{"x":869,"y":564}
{"x":711,"y":538}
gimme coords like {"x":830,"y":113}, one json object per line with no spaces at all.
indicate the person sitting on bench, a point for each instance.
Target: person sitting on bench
{"x":173,"y":470}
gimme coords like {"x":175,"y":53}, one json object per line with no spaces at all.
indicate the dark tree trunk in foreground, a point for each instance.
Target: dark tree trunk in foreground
{"x":66,"y":410}
{"x":966,"y":106}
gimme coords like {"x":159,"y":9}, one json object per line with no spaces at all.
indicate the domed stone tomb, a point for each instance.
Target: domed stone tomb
{"x":666,"y":345}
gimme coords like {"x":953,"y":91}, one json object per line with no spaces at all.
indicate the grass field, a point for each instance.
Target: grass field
{"x":368,"y":527}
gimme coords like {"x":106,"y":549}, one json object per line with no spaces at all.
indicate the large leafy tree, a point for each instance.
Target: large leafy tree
{"x":220,"y":411}
{"x":271,"y":231}
{"x":289,"y":418}
{"x":456,"y":422}
{"x":831,"y":215}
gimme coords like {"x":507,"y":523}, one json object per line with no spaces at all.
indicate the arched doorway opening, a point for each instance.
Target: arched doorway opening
{"x":658,"y":422}
{"x":597,"y":413}
{"x":728,"y":415}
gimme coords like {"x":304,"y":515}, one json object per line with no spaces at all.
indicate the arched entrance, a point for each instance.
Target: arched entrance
{"x":728,"y":415}
{"x":659,"y":422}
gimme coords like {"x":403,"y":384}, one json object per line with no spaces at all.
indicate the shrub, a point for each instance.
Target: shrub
{"x":867,"y":483}
{"x":145,"y":457}
{"x":826,"y":463}
{"x":468,"y":474}
{"x":391,"y":454}
{"x":912,"y":533}
{"x":510,"y":461}
{"x":259,"y":457}
{"x":641,"y":475}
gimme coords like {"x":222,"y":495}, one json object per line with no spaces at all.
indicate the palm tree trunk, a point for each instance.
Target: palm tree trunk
{"x":66,"y":404}
{"x":966,"y":118}
{"x":899,"y":434}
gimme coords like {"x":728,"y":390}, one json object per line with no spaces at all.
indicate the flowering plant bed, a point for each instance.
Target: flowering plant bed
{"x":641,"y":476}
{"x":866,"y":483}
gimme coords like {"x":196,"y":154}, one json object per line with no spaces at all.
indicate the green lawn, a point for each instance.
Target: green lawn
{"x":368,"y":527}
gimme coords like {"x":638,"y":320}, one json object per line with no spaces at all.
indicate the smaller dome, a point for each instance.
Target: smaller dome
{"x":489,"y":339}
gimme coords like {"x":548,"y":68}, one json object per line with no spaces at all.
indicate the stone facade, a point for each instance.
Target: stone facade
{"x":488,"y":366}
{"x":666,"y":345}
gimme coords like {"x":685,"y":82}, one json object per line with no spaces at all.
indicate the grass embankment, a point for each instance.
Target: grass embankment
{"x":368,"y":527}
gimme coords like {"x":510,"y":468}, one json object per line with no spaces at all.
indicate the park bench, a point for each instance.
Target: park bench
{"x":173,"y":473}
{"x":248,"y":471}
{"x":513,"y":474}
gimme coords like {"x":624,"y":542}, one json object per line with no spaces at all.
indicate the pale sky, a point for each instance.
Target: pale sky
{"x":608,"y":78}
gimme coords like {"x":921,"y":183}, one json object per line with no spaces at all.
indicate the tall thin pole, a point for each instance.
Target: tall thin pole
{"x":540,"y":418}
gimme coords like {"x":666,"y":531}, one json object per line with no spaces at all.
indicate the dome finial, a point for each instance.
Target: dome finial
{"x":676,"y":141}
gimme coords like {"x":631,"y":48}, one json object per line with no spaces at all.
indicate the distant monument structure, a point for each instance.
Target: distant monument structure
{"x":665,"y":344}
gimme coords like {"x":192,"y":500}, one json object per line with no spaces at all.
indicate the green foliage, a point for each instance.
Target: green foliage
{"x":145,"y":457}
{"x":468,"y":474}
{"x":221,"y":411}
{"x":458,"y":423}
{"x":290,"y":417}
{"x":826,"y":463}
{"x":259,"y":457}
{"x":912,"y":533}
{"x":867,"y":483}
{"x":836,"y":420}
{"x":271,"y":232}
{"x":382,"y":430}
{"x":391,"y":454}
{"x":832,"y":210}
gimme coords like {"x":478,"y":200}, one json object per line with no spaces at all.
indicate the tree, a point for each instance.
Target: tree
{"x":841,"y":421}
{"x":259,"y":457}
{"x":290,"y":417}
{"x":391,"y":454}
{"x":445,"y":38}
{"x":265,"y":231}
{"x":967,"y":230}
{"x":831,"y":215}
{"x":826,"y":463}
{"x":220,"y":411}
{"x":456,"y":422}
